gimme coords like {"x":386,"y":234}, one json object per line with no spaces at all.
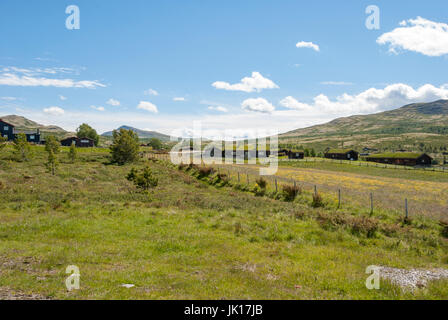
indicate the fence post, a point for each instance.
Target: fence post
{"x":406,"y":207}
{"x":315,"y":190}
{"x":371,"y":203}
{"x":238,"y":177}
{"x":247,"y":176}
{"x":339,"y":198}
{"x":276,"y":187}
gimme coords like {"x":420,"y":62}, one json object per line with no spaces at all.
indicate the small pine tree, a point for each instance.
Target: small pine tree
{"x":52,"y":162}
{"x":72,"y":155}
{"x":125,"y":146}
{"x":53,"y":144}
{"x":2,"y":142}
{"x":144,"y":180}
{"x":22,"y":147}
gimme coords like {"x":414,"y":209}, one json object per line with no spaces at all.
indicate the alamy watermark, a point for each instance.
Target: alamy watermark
{"x":72,"y":281}
{"x":373,"y":20}
{"x":373,"y":281}
{"x":259,"y":147}
{"x":73,"y":21}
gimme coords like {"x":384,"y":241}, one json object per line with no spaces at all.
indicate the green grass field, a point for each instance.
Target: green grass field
{"x":188,"y":239}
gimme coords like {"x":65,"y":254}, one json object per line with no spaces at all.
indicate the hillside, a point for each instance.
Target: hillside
{"x":26,"y":124}
{"x":406,"y":127}
{"x":141,"y":133}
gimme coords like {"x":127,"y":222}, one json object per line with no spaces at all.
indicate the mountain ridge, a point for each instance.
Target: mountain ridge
{"x":143,"y":134}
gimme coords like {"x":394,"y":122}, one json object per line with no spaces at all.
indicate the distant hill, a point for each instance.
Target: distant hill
{"x":142,"y":134}
{"x":404,"y":127}
{"x":23,"y":123}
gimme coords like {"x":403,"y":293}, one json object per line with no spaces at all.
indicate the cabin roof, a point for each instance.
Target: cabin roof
{"x":398,"y":155}
{"x":340,"y":151}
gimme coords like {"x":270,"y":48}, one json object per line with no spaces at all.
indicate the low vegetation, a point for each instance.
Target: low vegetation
{"x":195,"y":237}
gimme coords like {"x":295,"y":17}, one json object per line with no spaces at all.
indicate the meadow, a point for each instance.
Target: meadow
{"x":195,"y":236}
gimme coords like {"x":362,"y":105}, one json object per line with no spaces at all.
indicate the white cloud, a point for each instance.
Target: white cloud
{"x":113,"y":102}
{"x":248,"y":84}
{"x":178,"y":99}
{"x":9,"y":79}
{"x":37,"y":77}
{"x":371,"y":100}
{"x":151,"y":92}
{"x":62,"y":97}
{"x":148,"y":106}
{"x":419,"y":35}
{"x":291,"y":103}
{"x":218,"y":108}
{"x":9,"y":98}
{"x":304,"y":44}
{"x":98,"y":108}
{"x":258,"y":105}
{"x":54,"y":111}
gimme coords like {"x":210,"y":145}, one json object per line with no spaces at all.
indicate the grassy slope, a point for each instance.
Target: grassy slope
{"x":406,"y":127}
{"x":187,"y":240}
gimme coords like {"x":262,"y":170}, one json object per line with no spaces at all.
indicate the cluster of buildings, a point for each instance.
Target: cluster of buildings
{"x":395,"y":158}
{"x":9,"y":131}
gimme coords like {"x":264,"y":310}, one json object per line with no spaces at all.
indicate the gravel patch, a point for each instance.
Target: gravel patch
{"x":414,"y":278}
{"x":9,"y":294}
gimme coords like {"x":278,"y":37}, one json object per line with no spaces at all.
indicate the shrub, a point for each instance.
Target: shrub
{"x":444,"y":225}
{"x":317,"y":201}
{"x":291,"y":192}
{"x":72,"y":153}
{"x":125,"y":146}
{"x":144,"y":179}
{"x":258,"y":191}
{"x":261,"y":182}
{"x":205,"y":171}
{"x":364,"y":225}
{"x":182,"y":166}
{"x":52,"y":144}
{"x":22,"y":147}
{"x":3,"y":141}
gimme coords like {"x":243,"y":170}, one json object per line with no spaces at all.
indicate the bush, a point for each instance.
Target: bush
{"x":220,"y":180}
{"x":444,"y":225}
{"x":125,"y":146}
{"x":144,"y":179}
{"x":357,"y":225}
{"x":317,"y":201}
{"x":261,"y":182}
{"x":182,"y":166}
{"x":205,"y":172}
{"x":22,"y":147}
{"x":364,"y":225}
{"x":291,"y":192}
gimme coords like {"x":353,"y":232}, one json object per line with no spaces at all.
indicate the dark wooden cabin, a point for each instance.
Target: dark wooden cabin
{"x":79,"y":142}
{"x":296,"y":154}
{"x":9,"y":131}
{"x":342,"y":154}
{"x":401,"y":158}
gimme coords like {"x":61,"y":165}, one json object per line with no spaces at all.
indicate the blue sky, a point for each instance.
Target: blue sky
{"x":194,"y":54}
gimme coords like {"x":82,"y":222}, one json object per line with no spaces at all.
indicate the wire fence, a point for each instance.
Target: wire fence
{"x":368,"y":199}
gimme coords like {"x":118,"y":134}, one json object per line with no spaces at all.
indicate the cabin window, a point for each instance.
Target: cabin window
{"x":31,"y":137}
{"x":84,"y":141}
{"x":5,"y":128}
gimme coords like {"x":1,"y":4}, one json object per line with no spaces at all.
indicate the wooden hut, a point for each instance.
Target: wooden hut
{"x":8,"y":131}
{"x":79,"y":142}
{"x":296,"y":154}
{"x":401,"y":158}
{"x":342,"y":154}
